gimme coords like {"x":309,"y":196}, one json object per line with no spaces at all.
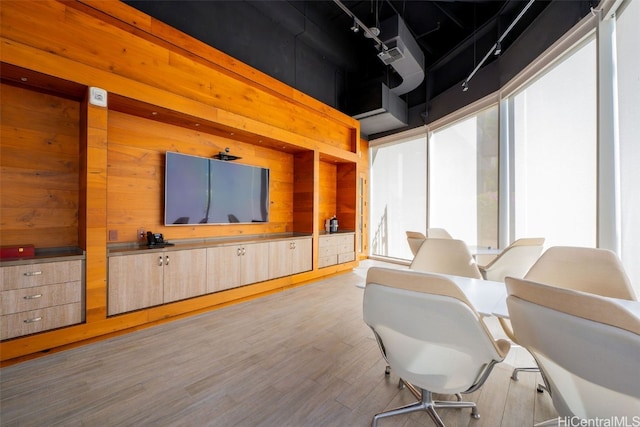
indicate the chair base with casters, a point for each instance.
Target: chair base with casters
{"x":429,"y":405}
{"x":514,"y":376}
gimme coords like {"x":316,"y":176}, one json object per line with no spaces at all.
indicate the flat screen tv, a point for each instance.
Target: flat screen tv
{"x":199,"y":190}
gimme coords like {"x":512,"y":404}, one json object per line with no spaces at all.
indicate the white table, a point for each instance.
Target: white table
{"x":500,"y":309}
{"x":484,"y":295}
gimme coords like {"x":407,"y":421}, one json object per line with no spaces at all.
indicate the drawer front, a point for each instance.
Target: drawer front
{"x":29,"y":322}
{"x":327,"y":251}
{"x":327,"y":261}
{"x":346,"y":257}
{"x":345,"y":248}
{"x":326,"y":241}
{"x":18,"y":300}
{"x":345,"y":240}
{"x":28,"y":275}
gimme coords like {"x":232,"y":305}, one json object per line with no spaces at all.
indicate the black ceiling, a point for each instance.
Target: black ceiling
{"x":309,"y":44}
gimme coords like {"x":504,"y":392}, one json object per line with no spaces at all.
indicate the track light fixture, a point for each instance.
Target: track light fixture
{"x":371,"y":33}
{"x":496,"y":49}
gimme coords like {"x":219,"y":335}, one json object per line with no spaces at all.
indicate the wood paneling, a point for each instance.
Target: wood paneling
{"x":135,"y":178}
{"x":303,"y":202}
{"x":327,"y":192}
{"x":39,"y":175}
{"x":75,"y":174}
{"x":72,"y":33}
{"x":346,"y":195}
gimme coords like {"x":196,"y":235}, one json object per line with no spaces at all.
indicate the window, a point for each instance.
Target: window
{"x":398,"y":196}
{"x":554,"y":153}
{"x":463,"y":179}
{"x":628,"y":68}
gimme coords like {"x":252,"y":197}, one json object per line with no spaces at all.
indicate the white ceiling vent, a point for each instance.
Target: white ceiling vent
{"x":390,"y":56}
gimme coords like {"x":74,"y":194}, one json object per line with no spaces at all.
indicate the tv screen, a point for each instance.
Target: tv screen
{"x":199,"y":190}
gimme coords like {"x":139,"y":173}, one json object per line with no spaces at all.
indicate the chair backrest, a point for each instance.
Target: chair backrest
{"x":593,"y":270}
{"x":431,"y":335}
{"x":446,"y":256}
{"x":415,"y":239}
{"x":515,"y":260}
{"x":587,"y":347}
{"x":438,"y":233}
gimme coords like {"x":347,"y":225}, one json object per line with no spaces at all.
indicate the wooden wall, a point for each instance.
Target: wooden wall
{"x":135,"y":178}
{"x":100,"y":170}
{"x":39,"y":161}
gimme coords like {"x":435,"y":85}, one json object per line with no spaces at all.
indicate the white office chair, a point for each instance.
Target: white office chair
{"x":514,"y":261}
{"x":415,"y":240}
{"x":430,"y":335}
{"x":592,"y":270}
{"x":445,"y":256}
{"x":438,"y":233}
{"x":587,"y":348}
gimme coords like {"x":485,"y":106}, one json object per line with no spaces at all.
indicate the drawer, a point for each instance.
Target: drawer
{"x":29,"y":322}
{"x":28,"y":275}
{"x":326,"y":241}
{"x":345,"y":247}
{"x":346,"y":257}
{"x":327,"y":261}
{"x":327,"y":251}
{"x":18,"y":300}
{"x":345,"y":240}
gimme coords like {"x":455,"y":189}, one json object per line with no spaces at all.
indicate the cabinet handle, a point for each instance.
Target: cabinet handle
{"x":160,"y":261}
{"x":244,"y":251}
{"x":33,"y":273}
{"x":36,"y":296}
{"x":166,"y":261}
{"x":239,"y":251}
{"x":35,"y":319}
{"x":293,"y":245}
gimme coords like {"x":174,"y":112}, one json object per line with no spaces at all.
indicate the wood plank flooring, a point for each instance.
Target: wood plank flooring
{"x":302,"y":357}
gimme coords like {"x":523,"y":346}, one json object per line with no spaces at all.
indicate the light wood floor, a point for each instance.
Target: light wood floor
{"x":302,"y":357}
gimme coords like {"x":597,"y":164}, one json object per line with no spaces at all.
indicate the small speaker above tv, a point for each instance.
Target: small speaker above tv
{"x":226,"y":156}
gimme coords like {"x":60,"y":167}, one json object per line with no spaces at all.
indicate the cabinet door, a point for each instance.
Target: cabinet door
{"x":135,"y":281}
{"x":279,"y":258}
{"x":223,"y":268}
{"x":185,"y":274}
{"x":288,"y":257}
{"x":255,"y":263}
{"x":302,"y":256}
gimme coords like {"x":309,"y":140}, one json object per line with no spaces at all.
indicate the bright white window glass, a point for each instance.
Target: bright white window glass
{"x":628,"y":61}
{"x":555,"y":153}
{"x":463,"y":179}
{"x":398,"y":197}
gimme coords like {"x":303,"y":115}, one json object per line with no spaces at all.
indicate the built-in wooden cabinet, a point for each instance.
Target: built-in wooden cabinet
{"x":288,"y":257}
{"x":139,"y":279}
{"x":99,"y":178}
{"x":184,"y":274}
{"x":336,"y":249}
{"x":237,"y":265}
{"x":144,"y":280}
{"x":135,"y":281}
{"x":40,"y":296}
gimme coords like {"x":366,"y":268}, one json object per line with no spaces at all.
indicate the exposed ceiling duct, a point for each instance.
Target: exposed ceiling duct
{"x":404,"y":54}
{"x":379,"y":108}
